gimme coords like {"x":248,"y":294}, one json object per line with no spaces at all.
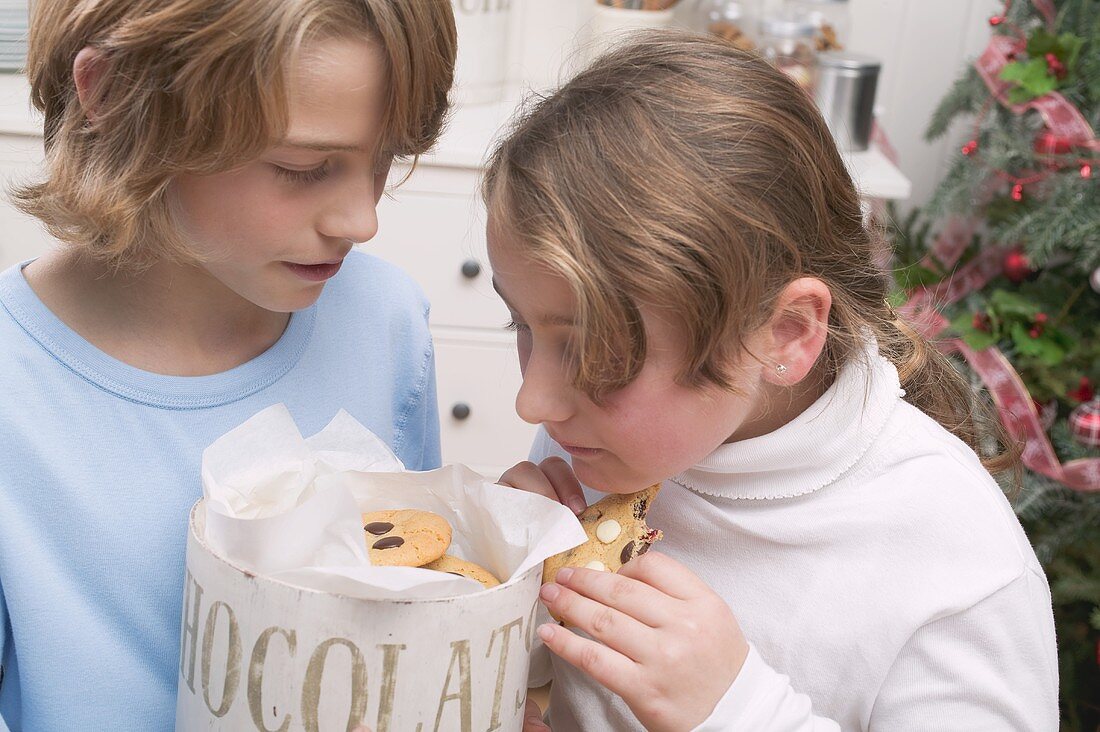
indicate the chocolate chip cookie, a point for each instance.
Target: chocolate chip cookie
{"x":453,"y":565}
{"x":405,"y":537}
{"x":616,"y":534}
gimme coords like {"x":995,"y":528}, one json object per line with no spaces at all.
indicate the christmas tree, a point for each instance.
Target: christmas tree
{"x":1003,"y":267}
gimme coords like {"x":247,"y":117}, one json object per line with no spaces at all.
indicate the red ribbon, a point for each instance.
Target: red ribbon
{"x":1046,"y":7}
{"x":1015,"y":407}
{"x":1063,"y":119}
{"x":1021,"y":418}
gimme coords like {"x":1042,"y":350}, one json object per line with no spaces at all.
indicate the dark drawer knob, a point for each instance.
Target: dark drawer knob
{"x":460,"y":411}
{"x":471,"y":268}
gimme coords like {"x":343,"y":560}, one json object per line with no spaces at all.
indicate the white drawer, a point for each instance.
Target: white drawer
{"x":483,"y":376}
{"x":431,"y":236}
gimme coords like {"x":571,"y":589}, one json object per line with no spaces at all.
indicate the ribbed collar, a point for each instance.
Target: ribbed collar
{"x":815,"y":448}
{"x":144,"y":387}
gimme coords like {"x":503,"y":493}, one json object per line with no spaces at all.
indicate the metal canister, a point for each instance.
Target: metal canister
{"x":845,"y":93}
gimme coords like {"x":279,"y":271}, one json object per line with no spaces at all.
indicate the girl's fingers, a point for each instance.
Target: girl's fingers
{"x":638,"y":600}
{"x":532,"y":717}
{"x":566,"y":485}
{"x":608,"y":667}
{"x":527,"y":476}
{"x":667,"y":575}
{"x":615,"y":629}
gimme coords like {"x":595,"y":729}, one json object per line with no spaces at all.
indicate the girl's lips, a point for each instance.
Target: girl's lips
{"x":314,"y":272}
{"x":577,"y":451}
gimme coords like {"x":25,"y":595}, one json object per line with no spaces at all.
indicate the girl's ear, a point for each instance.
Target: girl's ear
{"x":88,"y":70}
{"x":796,"y":332}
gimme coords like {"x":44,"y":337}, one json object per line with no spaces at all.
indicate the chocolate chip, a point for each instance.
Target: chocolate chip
{"x":378,"y":528}
{"x":643,"y":549}
{"x":390,"y":542}
{"x":627,"y":553}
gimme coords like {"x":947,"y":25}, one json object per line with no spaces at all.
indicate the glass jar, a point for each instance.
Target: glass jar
{"x":831,"y":20}
{"x":787,"y":40}
{"x":737,"y":21}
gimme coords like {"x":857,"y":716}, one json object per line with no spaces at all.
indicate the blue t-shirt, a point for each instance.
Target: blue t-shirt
{"x":99,"y":467}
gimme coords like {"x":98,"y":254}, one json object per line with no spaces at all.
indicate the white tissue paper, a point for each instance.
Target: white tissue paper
{"x":288,"y":508}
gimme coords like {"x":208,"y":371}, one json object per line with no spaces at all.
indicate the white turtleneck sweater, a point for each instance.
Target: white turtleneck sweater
{"x":876,"y":568}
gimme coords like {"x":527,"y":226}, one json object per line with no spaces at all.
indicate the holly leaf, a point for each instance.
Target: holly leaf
{"x":1042,"y":42}
{"x":1043,"y":348}
{"x":1032,"y":79}
{"x":1070,"y":46}
{"x":1011,"y":305}
{"x":1064,"y":340}
{"x":1065,"y":46}
{"x":963,"y":325}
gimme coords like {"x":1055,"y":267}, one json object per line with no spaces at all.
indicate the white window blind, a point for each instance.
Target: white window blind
{"x":13,"y":34}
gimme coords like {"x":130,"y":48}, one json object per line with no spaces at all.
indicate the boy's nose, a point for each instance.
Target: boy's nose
{"x":353,"y":215}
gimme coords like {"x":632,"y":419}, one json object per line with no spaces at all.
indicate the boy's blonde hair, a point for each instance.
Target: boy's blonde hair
{"x":680,"y":172}
{"x":198,"y":87}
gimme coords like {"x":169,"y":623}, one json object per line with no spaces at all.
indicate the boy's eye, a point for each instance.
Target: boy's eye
{"x":311,"y":175}
{"x":512,"y":325}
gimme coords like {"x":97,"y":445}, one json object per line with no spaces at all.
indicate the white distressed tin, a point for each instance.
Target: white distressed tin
{"x":258,"y":654}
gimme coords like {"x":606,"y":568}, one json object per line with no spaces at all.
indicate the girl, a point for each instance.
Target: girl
{"x":696,"y":302}
{"x":210,"y":165}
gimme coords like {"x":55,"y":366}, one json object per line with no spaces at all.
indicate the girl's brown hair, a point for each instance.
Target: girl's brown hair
{"x":681,"y":172}
{"x":198,"y":87}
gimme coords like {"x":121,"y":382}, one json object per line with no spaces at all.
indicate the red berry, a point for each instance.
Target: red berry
{"x":1055,"y":66}
{"x":1041,"y":318}
{"x":1084,"y":391}
{"x":1086,"y":171}
{"x":1035,"y":332}
{"x":996,"y":20}
{"x":1016,"y":267}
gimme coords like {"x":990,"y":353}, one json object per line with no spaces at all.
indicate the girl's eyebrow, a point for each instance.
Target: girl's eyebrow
{"x":321,"y":145}
{"x":547,"y":319}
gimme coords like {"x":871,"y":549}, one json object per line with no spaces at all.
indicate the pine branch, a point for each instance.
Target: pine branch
{"x":965,"y":97}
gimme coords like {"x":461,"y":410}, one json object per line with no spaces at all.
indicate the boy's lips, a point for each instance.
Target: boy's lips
{"x":315,"y":272}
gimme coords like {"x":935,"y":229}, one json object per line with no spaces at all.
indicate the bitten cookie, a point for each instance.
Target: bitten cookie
{"x":453,"y":565}
{"x":616,"y":530}
{"x":406,"y":537}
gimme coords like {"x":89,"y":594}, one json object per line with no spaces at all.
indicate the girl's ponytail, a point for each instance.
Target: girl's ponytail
{"x":937,"y":388}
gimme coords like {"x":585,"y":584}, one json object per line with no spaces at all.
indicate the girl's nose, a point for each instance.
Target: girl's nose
{"x":546,"y":393}
{"x":353,"y":212}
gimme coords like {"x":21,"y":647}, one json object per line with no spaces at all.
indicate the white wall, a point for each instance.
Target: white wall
{"x":923,"y":45}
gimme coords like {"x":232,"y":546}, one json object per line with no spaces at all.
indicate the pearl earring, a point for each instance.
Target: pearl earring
{"x":781,"y":369}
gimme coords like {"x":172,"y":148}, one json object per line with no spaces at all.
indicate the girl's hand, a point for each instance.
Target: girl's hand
{"x":663,"y":640}
{"x":553,"y":478}
{"x":532,"y":718}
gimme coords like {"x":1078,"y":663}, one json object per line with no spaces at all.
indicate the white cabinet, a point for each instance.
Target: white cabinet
{"x":21,"y":237}
{"x":433,"y":225}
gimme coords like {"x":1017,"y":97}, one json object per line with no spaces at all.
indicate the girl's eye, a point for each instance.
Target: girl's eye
{"x":304,"y":177}
{"x":515,"y":327}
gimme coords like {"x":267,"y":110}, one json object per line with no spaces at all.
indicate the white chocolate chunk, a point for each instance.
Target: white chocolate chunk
{"x":608,"y":531}
{"x":596,"y":565}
